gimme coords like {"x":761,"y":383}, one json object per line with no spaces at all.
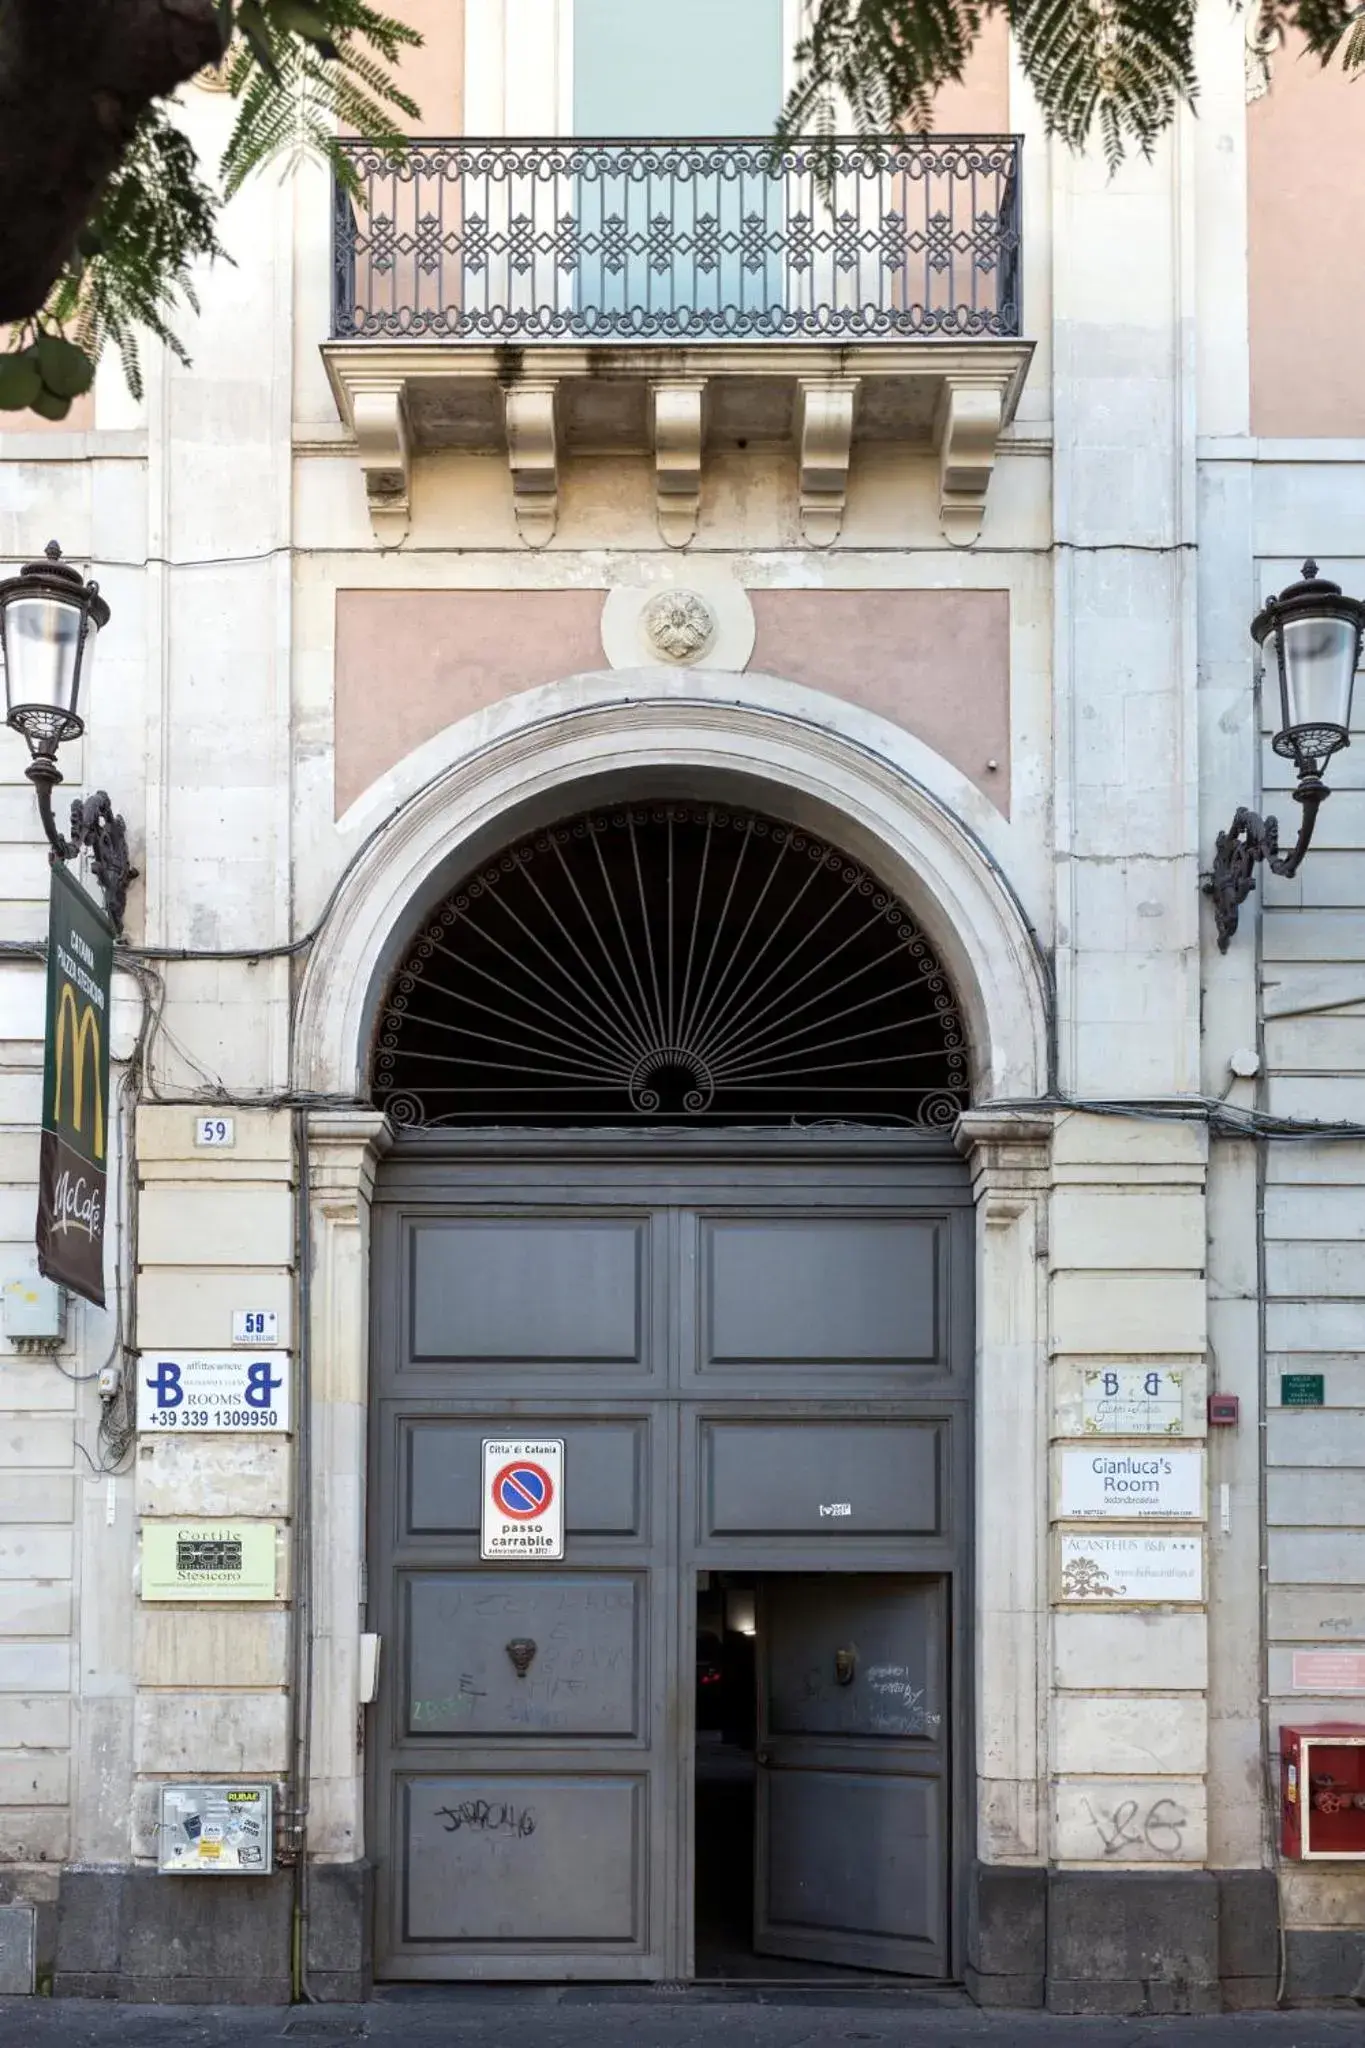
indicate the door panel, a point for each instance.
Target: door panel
{"x":852,"y":1838}
{"x":820,"y":1478}
{"x":855,"y":1863}
{"x":521,"y":1860}
{"x":822,"y":1304}
{"x":829,"y":1291}
{"x":566,"y":1291}
{"x":442,"y":1462}
{"x":586,"y":1671}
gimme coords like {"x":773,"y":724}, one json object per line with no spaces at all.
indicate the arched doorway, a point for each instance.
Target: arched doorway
{"x":674,"y":1189}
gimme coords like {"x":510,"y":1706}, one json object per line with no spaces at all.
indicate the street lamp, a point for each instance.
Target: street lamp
{"x":1314,"y":635}
{"x":49,"y":620}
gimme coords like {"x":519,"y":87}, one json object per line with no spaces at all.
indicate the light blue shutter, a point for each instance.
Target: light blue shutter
{"x":676,"y":67}
{"x":664,"y":70}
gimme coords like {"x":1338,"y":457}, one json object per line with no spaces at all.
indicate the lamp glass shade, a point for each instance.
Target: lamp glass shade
{"x":1318,"y":655}
{"x":47,"y":645}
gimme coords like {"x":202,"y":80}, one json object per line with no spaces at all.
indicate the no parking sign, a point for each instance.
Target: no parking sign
{"x":523,"y":1498}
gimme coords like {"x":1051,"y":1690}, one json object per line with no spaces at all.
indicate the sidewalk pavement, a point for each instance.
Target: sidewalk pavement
{"x":481,"y":2017}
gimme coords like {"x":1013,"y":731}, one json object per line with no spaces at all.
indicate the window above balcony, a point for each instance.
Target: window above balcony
{"x":532,"y":296}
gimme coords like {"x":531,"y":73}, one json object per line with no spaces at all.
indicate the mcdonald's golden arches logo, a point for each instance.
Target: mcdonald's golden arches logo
{"x":78,"y":1026}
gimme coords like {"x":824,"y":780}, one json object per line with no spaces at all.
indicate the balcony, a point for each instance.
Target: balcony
{"x":537,"y":296}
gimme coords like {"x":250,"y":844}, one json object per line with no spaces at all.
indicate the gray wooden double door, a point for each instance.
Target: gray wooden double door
{"x":757,"y":1353}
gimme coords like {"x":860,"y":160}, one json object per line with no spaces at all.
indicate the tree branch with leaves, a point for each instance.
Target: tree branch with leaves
{"x":1116,"y":70}
{"x":106,"y":205}
{"x":107,"y":208}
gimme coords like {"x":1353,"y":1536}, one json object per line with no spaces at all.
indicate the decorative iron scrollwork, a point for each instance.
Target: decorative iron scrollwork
{"x":1249,"y":840}
{"x":679,"y":241}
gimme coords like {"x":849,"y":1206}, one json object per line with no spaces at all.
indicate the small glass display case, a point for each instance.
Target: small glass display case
{"x":1322,"y":1791}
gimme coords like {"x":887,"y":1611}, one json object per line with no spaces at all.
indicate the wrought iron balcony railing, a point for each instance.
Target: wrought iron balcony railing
{"x":680,"y":241}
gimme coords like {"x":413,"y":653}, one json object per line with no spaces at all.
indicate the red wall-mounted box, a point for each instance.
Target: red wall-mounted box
{"x":1322,"y":1791}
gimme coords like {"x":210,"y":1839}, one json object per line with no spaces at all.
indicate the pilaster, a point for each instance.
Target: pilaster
{"x":216,"y":1231}
{"x":344,"y":1151}
{"x":1009,"y":1155}
{"x":1130,"y":1661}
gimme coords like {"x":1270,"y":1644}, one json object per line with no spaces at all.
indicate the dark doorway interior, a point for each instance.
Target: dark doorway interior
{"x":732,"y":1657}
{"x":727,"y":1719}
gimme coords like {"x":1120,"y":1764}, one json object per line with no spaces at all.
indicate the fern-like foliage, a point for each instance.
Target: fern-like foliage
{"x":132,"y":265}
{"x":300,"y":70}
{"x":1112,"y":70}
{"x":304,"y":71}
{"x":884,"y":59}
{"x":1352,"y":41}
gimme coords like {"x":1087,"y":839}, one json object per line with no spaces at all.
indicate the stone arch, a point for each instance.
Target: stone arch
{"x":846,"y":774}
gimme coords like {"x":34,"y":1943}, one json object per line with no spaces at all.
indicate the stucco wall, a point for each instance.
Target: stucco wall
{"x":1306,"y":190}
{"x":410,"y":662}
{"x":979,"y":102}
{"x":434,"y":74}
{"x":934,"y":661}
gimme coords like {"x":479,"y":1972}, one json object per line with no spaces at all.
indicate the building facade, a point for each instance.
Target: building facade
{"x":671,"y":711}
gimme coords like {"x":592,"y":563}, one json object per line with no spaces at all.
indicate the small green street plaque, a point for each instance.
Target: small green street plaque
{"x":1301,"y":1390}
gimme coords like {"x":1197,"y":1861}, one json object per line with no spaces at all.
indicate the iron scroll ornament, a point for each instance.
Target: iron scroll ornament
{"x":727,"y":239}
{"x":97,"y":829}
{"x":671,"y":964}
{"x":1249,"y":840}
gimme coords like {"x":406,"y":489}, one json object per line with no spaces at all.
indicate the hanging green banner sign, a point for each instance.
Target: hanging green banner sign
{"x":72,"y":1160}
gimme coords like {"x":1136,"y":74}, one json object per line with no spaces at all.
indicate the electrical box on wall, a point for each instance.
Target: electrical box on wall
{"x":216,"y":1831}
{"x":1322,"y":1791}
{"x":34,"y":1315}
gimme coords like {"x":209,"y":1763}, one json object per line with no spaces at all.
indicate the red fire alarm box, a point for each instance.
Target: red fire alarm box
{"x":1322,"y":1791}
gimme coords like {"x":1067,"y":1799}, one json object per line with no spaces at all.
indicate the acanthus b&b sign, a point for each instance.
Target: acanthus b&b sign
{"x":72,"y":1162}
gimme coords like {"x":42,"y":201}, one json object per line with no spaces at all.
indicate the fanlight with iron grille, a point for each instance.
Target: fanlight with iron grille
{"x":670,"y":964}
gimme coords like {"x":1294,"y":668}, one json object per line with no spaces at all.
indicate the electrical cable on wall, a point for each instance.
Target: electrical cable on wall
{"x":1224,"y":1119}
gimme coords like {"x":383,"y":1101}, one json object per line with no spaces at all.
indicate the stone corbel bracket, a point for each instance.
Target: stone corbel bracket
{"x":533,"y":458}
{"x":824,"y":444}
{"x":379,"y":416}
{"x":678,"y":434}
{"x":967,"y":431}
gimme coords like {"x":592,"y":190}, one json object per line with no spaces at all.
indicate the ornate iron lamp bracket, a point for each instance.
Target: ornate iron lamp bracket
{"x":1251,"y":839}
{"x":96,"y":828}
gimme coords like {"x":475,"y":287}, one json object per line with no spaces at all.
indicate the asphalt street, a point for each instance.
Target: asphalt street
{"x":586,"y":2019}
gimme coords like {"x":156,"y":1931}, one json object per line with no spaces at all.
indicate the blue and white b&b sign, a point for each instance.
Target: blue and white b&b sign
{"x":213,"y":1390}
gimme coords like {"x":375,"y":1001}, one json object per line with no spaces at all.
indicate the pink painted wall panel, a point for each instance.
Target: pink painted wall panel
{"x":979,"y":102}
{"x":410,"y":662}
{"x":1306,"y":196}
{"x":933,"y":661}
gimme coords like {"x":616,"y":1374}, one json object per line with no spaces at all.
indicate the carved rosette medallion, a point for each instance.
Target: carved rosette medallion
{"x":679,"y":625}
